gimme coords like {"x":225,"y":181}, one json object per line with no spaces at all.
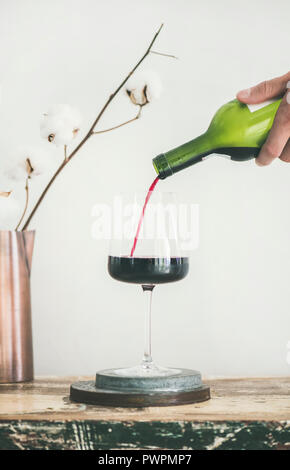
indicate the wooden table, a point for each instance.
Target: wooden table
{"x":242,"y":414}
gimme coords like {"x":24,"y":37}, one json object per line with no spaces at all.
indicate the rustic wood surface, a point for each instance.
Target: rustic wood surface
{"x":242,"y":414}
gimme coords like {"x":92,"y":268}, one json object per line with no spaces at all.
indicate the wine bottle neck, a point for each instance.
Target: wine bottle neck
{"x":166,"y":164}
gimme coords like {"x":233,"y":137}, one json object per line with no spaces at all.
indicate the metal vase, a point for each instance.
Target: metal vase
{"x":16,"y":354}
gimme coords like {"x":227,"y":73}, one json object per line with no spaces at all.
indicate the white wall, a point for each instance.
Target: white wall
{"x":231,"y":316}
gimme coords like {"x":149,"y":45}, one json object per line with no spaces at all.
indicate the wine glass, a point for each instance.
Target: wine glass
{"x":144,"y":250}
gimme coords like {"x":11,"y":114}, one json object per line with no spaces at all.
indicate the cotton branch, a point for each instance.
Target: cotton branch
{"x":120,"y":125}
{"x":92,"y":128}
{"x":165,"y":55}
{"x":26,"y":203}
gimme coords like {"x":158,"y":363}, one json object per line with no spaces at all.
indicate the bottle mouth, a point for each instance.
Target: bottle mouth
{"x":162,"y":167}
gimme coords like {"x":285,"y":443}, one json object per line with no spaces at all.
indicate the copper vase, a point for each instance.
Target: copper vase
{"x":16,"y":355}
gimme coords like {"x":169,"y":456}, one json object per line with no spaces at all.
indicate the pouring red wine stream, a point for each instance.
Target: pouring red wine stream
{"x":149,"y":194}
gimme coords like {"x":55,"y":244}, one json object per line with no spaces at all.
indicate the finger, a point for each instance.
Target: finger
{"x":278,"y":135}
{"x":264,"y":90}
{"x":285,"y":155}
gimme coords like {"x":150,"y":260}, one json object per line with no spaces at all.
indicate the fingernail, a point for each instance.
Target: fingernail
{"x":288,"y":97}
{"x":288,"y":84}
{"x":245,"y":93}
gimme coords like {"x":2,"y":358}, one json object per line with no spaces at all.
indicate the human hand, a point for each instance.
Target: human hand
{"x":278,"y":141}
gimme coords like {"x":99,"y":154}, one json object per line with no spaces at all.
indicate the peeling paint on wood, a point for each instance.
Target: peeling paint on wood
{"x":86,"y":435}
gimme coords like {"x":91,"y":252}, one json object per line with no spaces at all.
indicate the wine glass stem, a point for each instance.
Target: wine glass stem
{"x":147,"y":361}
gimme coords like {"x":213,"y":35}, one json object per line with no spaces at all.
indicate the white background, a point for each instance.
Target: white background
{"x":231,"y":316}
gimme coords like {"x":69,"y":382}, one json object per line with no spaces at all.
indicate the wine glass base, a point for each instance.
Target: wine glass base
{"x":118,"y":387}
{"x":144,"y":370}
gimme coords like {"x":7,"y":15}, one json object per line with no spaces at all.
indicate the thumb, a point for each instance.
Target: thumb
{"x":264,"y":90}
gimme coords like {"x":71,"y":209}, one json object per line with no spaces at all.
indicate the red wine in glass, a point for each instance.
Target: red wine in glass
{"x":147,"y":270}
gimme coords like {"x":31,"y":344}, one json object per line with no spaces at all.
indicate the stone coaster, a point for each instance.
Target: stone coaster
{"x":122,"y":380}
{"x":112,"y":389}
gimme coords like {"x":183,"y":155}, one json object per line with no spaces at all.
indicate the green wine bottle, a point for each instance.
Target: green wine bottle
{"x":237,"y":130}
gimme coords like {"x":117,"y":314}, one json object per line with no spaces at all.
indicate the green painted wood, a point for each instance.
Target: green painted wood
{"x":96,"y":435}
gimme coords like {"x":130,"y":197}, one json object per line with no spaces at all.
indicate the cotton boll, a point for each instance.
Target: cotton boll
{"x":28,"y":161}
{"x":49,"y":126}
{"x":65,"y":112}
{"x":60,"y":124}
{"x":64,"y":136}
{"x":143,"y":88}
{"x":15,"y":172}
{"x":9,"y":212}
{"x":57,"y":132}
{"x":39,"y":162}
